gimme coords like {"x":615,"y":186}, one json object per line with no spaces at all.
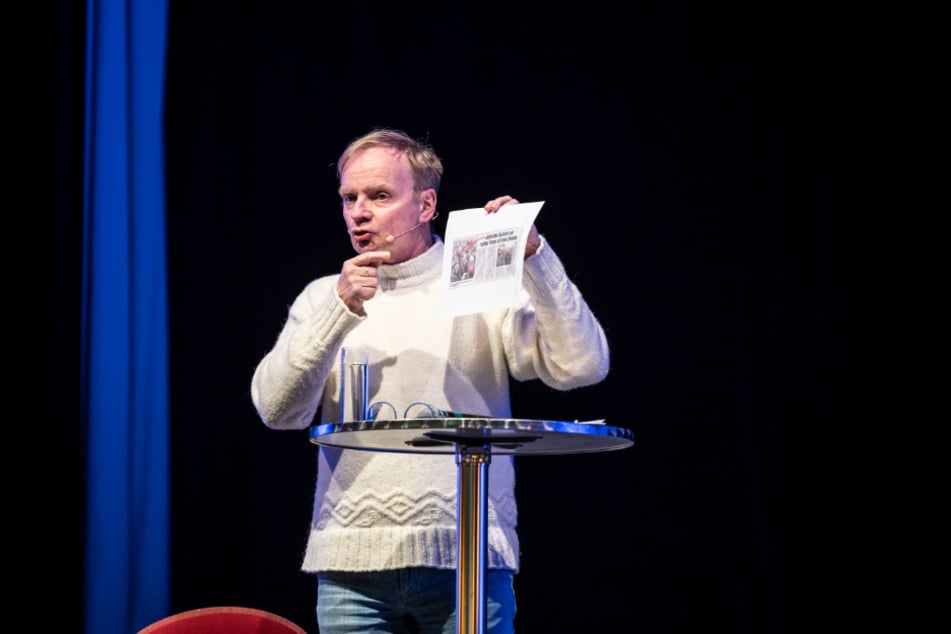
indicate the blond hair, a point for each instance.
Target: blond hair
{"x":424,"y":164}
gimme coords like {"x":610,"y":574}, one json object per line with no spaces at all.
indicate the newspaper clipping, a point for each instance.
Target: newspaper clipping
{"x":482,"y":267}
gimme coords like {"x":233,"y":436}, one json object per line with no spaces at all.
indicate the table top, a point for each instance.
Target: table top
{"x":503,"y":436}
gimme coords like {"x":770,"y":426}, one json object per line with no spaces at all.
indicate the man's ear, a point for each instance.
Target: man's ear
{"x":427,"y":205}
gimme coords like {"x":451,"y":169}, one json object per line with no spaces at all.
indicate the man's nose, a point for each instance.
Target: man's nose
{"x":360,"y":209}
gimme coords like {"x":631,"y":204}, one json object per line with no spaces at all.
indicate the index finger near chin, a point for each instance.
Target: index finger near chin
{"x":374,"y":258}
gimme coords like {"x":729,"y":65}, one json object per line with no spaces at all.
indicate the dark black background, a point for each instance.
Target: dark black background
{"x":737,"y":189}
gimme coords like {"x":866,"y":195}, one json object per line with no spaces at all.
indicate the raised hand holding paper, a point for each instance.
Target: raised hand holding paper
{"x":482,"y":265}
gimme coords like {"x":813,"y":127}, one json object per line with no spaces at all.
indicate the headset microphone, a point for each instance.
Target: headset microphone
{"x":390,"y":238}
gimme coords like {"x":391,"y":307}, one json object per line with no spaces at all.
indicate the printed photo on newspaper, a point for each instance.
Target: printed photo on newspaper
{"x":482,"y":266}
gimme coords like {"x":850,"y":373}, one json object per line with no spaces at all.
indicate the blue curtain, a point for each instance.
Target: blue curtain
{"x":124,"y":321}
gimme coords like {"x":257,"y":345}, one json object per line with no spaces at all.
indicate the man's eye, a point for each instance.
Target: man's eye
{"x":382,"y":197}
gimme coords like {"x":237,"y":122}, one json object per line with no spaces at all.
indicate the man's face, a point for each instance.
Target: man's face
{"x":380,"y":208}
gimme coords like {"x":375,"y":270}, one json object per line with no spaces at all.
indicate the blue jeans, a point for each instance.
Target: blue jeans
{"x":406,"y":601}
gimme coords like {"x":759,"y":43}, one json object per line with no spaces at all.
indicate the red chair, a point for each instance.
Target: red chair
{"x":223,"y":620}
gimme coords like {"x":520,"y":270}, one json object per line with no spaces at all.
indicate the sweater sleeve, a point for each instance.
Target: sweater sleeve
{"x":289,"y":381}
{"x":554,"y":336}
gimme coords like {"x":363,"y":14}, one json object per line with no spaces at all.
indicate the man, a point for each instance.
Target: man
{"x":383,"y":534}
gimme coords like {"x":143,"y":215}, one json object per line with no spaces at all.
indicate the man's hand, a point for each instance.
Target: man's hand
{"x":358,"y":279}
{"x":533,"y":242}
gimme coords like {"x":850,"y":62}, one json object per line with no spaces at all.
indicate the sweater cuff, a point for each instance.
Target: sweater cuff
{"x":330,"y":322}
{"x":543,"y":272}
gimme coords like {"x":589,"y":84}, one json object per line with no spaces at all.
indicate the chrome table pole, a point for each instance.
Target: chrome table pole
{"x":471,"y":536}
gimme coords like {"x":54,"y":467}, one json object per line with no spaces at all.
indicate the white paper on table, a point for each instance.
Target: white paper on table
{"x":484,"y":253}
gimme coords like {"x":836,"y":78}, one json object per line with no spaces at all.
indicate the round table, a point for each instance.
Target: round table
{"x":473,"y":440}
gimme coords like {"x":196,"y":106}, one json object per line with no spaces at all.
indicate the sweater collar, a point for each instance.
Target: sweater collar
{"x":414,"y":272}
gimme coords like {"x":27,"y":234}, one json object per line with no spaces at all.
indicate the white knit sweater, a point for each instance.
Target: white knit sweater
{"x":379,"y":510}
